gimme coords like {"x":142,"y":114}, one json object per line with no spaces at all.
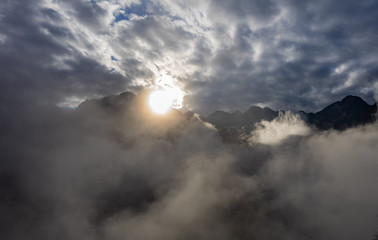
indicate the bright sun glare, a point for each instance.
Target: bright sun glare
{"x":160,"y":101}
{"x":168,"y":96}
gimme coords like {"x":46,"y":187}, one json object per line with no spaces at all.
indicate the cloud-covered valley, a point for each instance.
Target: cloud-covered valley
{"x":113,"y":170}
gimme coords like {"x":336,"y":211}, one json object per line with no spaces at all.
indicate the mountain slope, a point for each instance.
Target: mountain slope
{"x":237,"y":119}
{"x":351,"y":111}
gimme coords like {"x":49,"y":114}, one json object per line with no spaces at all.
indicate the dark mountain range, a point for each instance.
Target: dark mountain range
{"x":237,"y":119}
{"x":112,"y":103}
{"x":349,"y":112}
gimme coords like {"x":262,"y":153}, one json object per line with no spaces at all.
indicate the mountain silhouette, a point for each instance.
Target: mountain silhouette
{"x":253,"y":115}
{"x":351,"y":111}
{"x":112,"y":103}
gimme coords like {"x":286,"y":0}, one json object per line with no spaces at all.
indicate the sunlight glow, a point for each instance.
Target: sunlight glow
{"x":160,"y":101}
{"x":166,"y":97}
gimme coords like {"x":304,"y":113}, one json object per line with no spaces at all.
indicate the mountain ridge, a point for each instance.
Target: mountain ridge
{"x":349,"y":112}
{"x":221,"y":119}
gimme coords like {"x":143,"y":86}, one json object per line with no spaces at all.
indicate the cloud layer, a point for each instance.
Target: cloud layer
{"x":279,"y":129}
{"x":113,"y":170}
{"x":302,"y":54}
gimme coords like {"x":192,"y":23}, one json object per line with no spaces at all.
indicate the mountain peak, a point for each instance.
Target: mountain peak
{"x":254,"y":108}
{"x":108,"y":103}
{"x":353,"y":100}
{"x":350,"y":111}
{"x":218,"y":113}
{"x":237,"y":119}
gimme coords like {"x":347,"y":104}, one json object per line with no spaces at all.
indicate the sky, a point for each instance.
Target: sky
{"x":224,"y":55}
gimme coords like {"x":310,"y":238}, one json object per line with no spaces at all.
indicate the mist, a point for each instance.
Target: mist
{"x":117,"y":171}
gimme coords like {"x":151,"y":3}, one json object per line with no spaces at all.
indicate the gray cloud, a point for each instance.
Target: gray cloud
{"x":334,"y":187}
{"x":303,"y":54}
{"x":113,"y":170}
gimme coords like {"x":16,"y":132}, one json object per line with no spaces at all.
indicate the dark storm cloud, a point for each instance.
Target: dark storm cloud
{"x":41,"y":61}
{"x":303,"y":54}
{"x":89,"y":12}
{"x":295,"y":54}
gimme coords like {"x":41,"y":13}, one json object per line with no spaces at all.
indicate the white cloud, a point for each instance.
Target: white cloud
{"x":71,"y":102}
{"x":279,"y":129}
{"x":112,"y":169}
{"x":331,"y":176}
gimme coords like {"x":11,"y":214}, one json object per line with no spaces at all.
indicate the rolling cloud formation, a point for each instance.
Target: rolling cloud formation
{"x":305,"y":54}
{"x":113,"y":170}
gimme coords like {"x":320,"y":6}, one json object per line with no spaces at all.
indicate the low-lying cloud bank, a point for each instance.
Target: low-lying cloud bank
{"x":105,"y":172}
{"x":279,"y":129}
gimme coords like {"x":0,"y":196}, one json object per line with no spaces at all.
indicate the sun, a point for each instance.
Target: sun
{"x":166,"y":95}
{"x":160,"y":101}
